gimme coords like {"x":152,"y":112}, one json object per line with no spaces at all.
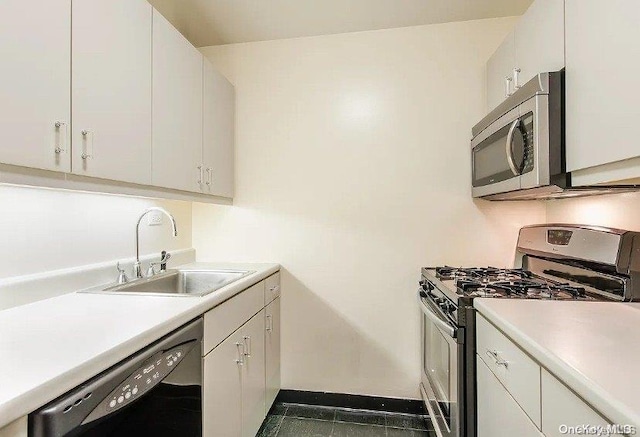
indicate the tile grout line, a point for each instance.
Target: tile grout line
{"x":286,"y":407}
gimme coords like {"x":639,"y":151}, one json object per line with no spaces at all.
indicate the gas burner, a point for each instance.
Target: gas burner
{"x":447,"y":272}
{"x":514,"y":284}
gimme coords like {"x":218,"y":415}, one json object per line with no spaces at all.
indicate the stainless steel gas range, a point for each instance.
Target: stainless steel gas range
{"x":555,"y":262}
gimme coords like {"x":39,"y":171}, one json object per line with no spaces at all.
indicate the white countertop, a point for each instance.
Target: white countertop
{"x":593,"y":347}
{"x":51,"y":346}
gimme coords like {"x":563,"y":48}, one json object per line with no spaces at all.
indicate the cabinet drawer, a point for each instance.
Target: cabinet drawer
{"x":221,"y":321}
{"x":498,"y":412}
{"x":516,"y":370}
{"x":272,"y":288}
{"x":561,"y":407}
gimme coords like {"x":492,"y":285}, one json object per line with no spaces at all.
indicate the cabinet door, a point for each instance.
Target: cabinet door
{"x":35,"y":42}
{"x":498,"y":413}
{"x":560,"y":406}
{"x":219,"y":132}
{"x":111,"y":90}
{"x":500,"y":66}
{"x":177,"y":109}
{"x":603,"y":66}
{"x":272,"y":346}
{"x":222,"y":392}
{"x":539,"y":39}
{"x":253,"y":375}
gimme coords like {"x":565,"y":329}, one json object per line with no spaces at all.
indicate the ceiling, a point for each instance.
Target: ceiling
{"x":213,"y":22}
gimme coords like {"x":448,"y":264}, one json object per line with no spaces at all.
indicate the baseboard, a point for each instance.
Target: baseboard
{"x":373,"y":403}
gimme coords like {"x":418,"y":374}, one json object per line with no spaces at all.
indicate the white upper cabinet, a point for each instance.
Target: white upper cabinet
{"x":218,"y":133}
{"x":177,"y":110}
{"x":539,"y":39}
{"x":35,"y":42}
{"x":500,"y":72}
{"x":603,"y":66}
{"x":111,"y":86}
{"x":536,"y":45}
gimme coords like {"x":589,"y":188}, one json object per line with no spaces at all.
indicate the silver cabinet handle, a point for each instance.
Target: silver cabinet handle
{"x":247,"y":343}
{"x":516,"y":74}
{"x":61,"y":145}
{"x":209,"y":175}
{"x":88,"y":150}
{"x":509,"y":149}
{"x":201,"y":174}
{"x":269,"y":323}
{"x":275,"y":289}
{"x":499,"y":361}
{"x":241,"y":354}
{"x":507,"y":86}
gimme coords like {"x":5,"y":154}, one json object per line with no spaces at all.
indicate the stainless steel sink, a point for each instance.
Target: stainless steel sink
{"x":179,"y":283}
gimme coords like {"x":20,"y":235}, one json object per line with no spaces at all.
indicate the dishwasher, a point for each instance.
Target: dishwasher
{"x":156,"y":391}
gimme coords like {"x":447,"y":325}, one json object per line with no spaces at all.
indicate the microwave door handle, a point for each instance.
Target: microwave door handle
{"x":431,"y":315}
{"x":509,"y":150}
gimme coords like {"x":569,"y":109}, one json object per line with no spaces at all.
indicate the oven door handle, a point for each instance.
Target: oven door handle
{"x":428,"y":310}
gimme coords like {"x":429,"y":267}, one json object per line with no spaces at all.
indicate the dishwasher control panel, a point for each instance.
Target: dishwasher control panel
{"x":145,"y":378}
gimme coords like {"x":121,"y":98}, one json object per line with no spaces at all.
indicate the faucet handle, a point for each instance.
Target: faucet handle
{"x":162,"y":263}
{"x":122,"y":276}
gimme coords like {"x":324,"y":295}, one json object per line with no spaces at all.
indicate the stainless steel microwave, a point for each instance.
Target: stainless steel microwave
{"x":517,"y":150}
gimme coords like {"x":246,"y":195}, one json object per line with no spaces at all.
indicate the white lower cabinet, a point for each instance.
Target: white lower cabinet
{"x":561,"y":408}
{"x":253,"y":375}
{"x":272,"y":352}
{"x":241,"y":372}
{"x":532,"y":402}
{"x":506,"y":420}
{"x":234,"y":382}
{"x":222,"y":393}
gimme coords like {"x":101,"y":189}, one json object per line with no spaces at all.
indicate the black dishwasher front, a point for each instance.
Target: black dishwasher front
{"x":155,"y":392}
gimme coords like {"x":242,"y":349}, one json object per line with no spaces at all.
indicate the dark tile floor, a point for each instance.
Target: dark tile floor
{"x":295,"y":420}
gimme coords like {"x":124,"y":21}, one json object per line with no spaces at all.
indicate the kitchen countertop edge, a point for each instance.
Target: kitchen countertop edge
{"x":36,"y":397}
{"x":588,"y":389}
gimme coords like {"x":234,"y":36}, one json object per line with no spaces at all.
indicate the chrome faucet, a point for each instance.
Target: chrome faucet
{"x":137,"y":267}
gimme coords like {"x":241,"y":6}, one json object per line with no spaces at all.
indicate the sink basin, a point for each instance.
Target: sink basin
{"x":180,"y":283}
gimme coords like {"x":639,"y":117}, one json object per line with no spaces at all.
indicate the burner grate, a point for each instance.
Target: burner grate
{"x":507,"y":283}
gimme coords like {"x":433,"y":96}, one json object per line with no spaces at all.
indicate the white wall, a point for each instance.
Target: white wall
{"x":352,"y":166}
{"x":615,"y":210}
{"x":43,"y":230}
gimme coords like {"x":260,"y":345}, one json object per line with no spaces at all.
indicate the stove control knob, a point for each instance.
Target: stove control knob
{"x":446,"y":307}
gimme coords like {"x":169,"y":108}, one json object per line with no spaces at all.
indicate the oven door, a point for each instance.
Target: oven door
{"x":439,"y":385}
